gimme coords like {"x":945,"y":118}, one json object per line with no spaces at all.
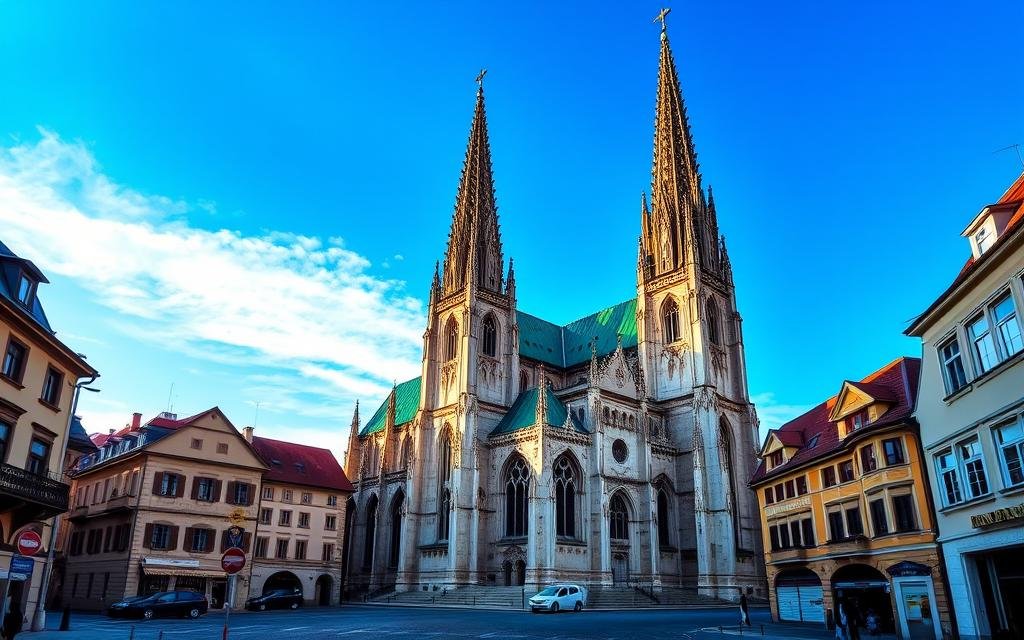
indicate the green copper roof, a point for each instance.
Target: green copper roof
{"x":570,"y":345}
{"x":407,"y":401}
{"x":523,"y":413}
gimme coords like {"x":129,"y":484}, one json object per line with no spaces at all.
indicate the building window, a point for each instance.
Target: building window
{"x":974,"y":467}
{"x":879,"y":520}
{"x":332,"y":501}
{"x":282,"y":549}
{"x":670,"y":319}
{"x":204,"y":489}
{"x":828,"y":477}
{"x":5,"y":438}
{"x":327,"y":554}
{"x":844,"y":521}
{"x":200,"y":540}
{"x":52,"y":387}
{"x":949,"y":478}
{"x":266,"y":515}
{"x":197,"y":444}
{"x":1004,"y":316}
{"x":983,"y":239}
{"x":300,"y":549}
{"x":285,"y":519}
{"x":444,"y":474}
{"x":160,"y":537}
{"x":868,"y":462}
{"x":769,"y":496}
{"x":304,"y":520}
{"x":517,"y":489}
{"x":222,"y":447}
{"x":242,"y":493}
{"x":893,"y":450}
{"x":170,"y":484}
{"x":330,"y":523}
{"x":38,"y":457}
{"x":286,"y":495}
{"x":307,"y":498}
{"x":854,"y":524}
{"x":712,"y":318}
{"x":618,"y":518}
{"x":962,"y":472}
{"x":790,"y":489}
{"x":25,"y":288}
{"x":1009,"y":438}
{"x":490,"y":336}
{"x":664,"y":523}
{"x":451,"y":339}
{"x":904,"y":514}
{"x":261,"y":547}
{"x":984,"y":347}
{"x":565,"y":497}
{"x":846,"y":471}
{"x":524,"y":381}
{"x":776,"y":459}
{"x":268,"y":493}
{"x":952,"y":366}
{"x":14,"y":360}
{"x":620,"y":451}
{"x":857,"y":420}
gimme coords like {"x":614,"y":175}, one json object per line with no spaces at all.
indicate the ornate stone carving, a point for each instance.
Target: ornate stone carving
{"x":704,"y":398}
{"x":719,"y":359}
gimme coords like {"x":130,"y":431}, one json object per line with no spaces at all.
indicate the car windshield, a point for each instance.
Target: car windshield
{"x":550,"y":591}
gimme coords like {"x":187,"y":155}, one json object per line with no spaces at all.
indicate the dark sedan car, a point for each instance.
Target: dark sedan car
{"x":163,"y":604}
{"x":276,"y":599}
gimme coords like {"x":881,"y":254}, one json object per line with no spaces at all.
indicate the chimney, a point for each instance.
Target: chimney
{"x":136,"y":421}
{"x":247,"y":433}
{"x":111,"y":432}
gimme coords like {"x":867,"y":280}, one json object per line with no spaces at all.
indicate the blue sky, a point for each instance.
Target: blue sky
{"x":247,"y":201}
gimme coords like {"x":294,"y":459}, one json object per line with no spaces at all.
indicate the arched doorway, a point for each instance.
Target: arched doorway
{"x":863,"y":589}
{"x":619,"y":537}
{"x":396,"y":517}
{"x":799,"y":596}
{"x":323,"y":590}
{"x":371,"y":532}
{"x":282,"y":580}
{"x":506,"y":569}
{"x":520,"y":573}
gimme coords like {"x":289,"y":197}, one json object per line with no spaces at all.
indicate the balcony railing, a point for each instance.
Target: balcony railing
{"x":18,"y":485}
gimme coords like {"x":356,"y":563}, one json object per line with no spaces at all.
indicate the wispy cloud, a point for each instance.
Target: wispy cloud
{"x":301,"y":305}
{"x":774,"y":414}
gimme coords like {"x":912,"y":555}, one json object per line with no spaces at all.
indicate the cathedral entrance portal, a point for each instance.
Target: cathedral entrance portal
{"x":620,"y":568}
{"x":520,"y":573}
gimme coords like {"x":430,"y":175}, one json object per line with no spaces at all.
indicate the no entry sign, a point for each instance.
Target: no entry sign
{"x":29,"y":543}
{"x":233,"y":560}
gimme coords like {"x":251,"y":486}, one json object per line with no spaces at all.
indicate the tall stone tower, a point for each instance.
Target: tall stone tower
{"x":690,"y":343}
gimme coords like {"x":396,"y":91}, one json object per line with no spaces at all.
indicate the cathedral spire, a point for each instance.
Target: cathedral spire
{"x":676,"y":197}
{"x":352,"y":454}
{"x":474,"y":242}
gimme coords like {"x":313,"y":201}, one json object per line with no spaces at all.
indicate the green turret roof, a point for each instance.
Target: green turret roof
{"x":407,"y":401}
{"x":523,"y":413}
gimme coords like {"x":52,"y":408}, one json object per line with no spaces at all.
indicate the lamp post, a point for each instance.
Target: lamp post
{"x":39,"y":617}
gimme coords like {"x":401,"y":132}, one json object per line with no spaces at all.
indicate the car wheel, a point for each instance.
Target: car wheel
{"x":147,"y":614}
{"x":295,"y":605}
{"x":193,"y":613}
{"x":578,"y":607}
{"x":554,"y":607}
{"x":263,"y":607}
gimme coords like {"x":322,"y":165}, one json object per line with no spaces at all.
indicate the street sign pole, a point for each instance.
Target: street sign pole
{"x":228,"y":601}
{"x":231,"y":562}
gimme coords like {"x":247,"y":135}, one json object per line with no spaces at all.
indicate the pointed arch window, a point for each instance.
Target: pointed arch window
{"x":618,"y":519}
{"x":405,"y":453}
{"x":397,"y":514}
{"x":729,"y":472}
{"x":451,"y":339}
{"x":664,"y":525}
{"x":670,"y":320}
{"x":566,"y":482}
{"x":517,"y":489}
{"x":371,"y":532}
{"x":711,"y":315}
{"x":444,"y":474}
{"x":524,"y":381}
{"x":490,"y":336}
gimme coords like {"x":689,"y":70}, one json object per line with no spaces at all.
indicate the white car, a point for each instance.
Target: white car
{"x":559,"y":597}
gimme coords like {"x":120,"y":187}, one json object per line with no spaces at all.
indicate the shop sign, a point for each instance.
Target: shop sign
{"x":997,"y":516}
{"x":907,"y":568}
{"x":787,"y":506}
{"x":170,"y":562}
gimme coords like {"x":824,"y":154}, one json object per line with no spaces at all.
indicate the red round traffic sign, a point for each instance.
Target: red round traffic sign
{"x":29,"y":543}
{"x":233,"y":560}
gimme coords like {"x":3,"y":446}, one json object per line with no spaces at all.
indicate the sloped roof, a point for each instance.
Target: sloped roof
{"x":569,"y":345}
{"x":899,"y":378}
{"x":523,"y":413}
{"x":36,"y":312}
{"x":877,"y":391}
{"x":292,"y":463}
{"x":78,"y":439}
{"x":407,"y":402}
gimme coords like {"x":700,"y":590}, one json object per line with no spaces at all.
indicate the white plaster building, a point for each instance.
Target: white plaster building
{"x":611,"y":450}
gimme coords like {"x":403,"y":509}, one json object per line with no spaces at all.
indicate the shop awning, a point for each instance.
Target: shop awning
{"x":191,"y":572}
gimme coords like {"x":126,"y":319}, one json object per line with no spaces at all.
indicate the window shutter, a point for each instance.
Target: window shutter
{"x":186,"y":544}
{"x":181,"y":486}
{"x":246,"y":539}
{"x":158,"y":479}
{"x":173,"y":542}
{"x":195,"y":488}
{"x":224,"y":540}
{"x":251,"y":494}
{"x":216,"y":491}
{"x":230,"y":497}
{"x":147,"y":542}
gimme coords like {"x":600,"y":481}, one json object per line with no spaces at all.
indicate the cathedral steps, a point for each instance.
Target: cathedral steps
{"x":598,"y":597}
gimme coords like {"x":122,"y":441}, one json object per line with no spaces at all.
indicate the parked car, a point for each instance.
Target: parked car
{"x":559,"y":597}
{"x":163,"y":604}
{"x":276,"y":599}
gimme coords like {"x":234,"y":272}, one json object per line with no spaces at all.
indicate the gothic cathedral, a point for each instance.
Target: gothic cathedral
{"x":611,"y":450}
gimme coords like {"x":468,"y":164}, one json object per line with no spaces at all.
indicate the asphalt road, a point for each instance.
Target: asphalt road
{"x":362,"y":622}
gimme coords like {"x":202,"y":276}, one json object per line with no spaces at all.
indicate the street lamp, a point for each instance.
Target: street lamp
{"x":39,"y":617}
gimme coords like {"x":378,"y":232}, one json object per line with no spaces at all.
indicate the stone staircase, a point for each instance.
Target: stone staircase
{"x":598,"y":597}
{"x":467,"y":596}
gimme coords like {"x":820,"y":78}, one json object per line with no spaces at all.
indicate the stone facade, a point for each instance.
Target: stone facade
{"x":610,"y":450}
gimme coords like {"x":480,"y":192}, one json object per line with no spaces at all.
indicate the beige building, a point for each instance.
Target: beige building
{"x":971,"y":412}
{"x":151,"y":510}
{"x":37,"y":387}
{"x":301,"y":521}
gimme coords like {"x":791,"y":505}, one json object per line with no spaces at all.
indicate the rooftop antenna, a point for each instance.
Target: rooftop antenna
{"x":1015,"y":147}
{"x":170,"y":403}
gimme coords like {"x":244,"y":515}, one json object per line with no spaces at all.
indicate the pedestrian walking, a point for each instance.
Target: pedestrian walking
{"x":12,"y":621}
{"x":744,"y":613}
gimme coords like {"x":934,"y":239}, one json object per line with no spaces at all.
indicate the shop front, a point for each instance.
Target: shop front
{"x":170,"y":574}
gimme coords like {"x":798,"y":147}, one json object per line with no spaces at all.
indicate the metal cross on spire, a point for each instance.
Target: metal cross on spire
{"x":663,"y":16}
{"x":480,"y":78}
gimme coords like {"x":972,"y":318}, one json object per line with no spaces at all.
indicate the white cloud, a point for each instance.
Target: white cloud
{"x":773,"y":414}
{"x":398,"y":257}
{"x":293,"y":303}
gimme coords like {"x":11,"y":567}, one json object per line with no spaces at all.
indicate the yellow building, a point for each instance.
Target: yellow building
{"x":846,"y":512}
{"x":37,"y":388}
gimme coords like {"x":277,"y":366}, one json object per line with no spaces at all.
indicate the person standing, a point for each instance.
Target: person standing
{"x":744,"y":612}
{"x":853,"y":620}
{"x":841,"y":622}
{"x":12,"y":621}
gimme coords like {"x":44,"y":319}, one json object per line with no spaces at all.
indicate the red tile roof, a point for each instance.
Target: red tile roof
{"x":790,"y":438}
{"x":876,"y":390}
{"x":292,"y":463}
{"x":898,"y":379}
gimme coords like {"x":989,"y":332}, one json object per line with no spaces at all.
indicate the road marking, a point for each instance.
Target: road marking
{"x":294,"y":628}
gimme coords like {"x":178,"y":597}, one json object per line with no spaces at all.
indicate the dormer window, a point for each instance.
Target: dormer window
{"x":857,"y":420}
{"x":776,"y":459}
{"x":983,"y":238}
{"x":26,"y":287}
